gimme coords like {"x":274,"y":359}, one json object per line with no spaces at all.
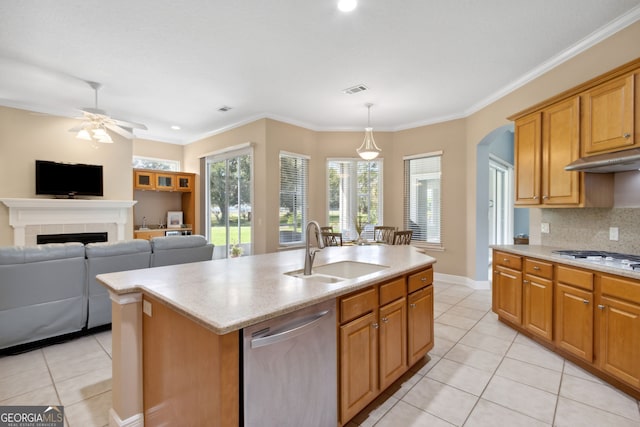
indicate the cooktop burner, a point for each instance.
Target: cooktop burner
{"x":610,"y":259}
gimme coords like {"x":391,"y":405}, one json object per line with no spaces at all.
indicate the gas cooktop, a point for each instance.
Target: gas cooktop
{"x":609,"y":259}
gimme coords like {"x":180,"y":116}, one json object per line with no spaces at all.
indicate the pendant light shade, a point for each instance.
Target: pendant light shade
{"x":368,"y":150}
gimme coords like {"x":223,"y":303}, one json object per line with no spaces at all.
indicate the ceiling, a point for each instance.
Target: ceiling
{"x":176,"y":62}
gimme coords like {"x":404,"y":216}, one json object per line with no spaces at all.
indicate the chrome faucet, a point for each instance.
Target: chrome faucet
{"x":310,"y":253}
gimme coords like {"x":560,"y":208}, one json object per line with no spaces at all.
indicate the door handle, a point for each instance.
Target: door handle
{"x":289,"y":333}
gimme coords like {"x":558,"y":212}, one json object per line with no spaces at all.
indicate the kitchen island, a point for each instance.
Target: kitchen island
{"x":179,"y":362}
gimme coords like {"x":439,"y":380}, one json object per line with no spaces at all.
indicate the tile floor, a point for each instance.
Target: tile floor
{"x":480,"y":373}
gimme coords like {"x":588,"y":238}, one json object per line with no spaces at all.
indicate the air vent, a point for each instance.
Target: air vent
{"x":224,"y":108}
{"x":355,"y":89}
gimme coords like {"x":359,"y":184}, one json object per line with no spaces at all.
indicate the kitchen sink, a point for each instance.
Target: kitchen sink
{"x":321,"y":278}
{"x":338,"y":271}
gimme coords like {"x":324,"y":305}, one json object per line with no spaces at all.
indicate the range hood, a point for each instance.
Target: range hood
{"x":619,"y":161}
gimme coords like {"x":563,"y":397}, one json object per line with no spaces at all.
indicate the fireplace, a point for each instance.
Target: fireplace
{"x":83,"y":238}
{"x":32,"y":217}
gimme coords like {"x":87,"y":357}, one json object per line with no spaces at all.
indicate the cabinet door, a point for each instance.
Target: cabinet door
{"x":538,"y":306}
{"x":143,"y":180}
{"x":620,"y":339}
{"x":508,"y":293}
{"x":528,"y":152}
{"x":358,"y":365}
{"x":574,"y":321}
{"x":420,"y":324}
{"x":184,"y":182}
{"x":165,"y":182}
{"x":608,"y":117}
{"x":561,"y":146}
{"x":393,"y":342}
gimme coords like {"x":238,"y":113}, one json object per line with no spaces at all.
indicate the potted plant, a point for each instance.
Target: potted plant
{"x":359,"y":226}
{"x":236,"y":250}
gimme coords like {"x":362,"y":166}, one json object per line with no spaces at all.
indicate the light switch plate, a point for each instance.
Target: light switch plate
{"x":613,"y":233}
{"x":544,"y":227}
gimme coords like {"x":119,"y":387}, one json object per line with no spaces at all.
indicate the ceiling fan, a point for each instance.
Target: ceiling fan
{"x":96,"y":123}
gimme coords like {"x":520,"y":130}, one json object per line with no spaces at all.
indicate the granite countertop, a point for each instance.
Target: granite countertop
{"x":229,"y":294}
{"x":546,"y":253}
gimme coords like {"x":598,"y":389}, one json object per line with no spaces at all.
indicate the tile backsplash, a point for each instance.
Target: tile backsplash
{"x":588,"y":228}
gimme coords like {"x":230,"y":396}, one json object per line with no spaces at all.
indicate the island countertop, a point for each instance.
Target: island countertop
{"x":229,"y":294}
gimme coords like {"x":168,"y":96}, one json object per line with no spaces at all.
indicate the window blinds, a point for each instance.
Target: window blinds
{"x":422,"y":198}
{"x":294,"y":171}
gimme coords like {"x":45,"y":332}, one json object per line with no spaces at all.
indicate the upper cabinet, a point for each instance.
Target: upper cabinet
{"x":162,"y":181}
{"x":608,"y":117}
{"x":600,"y":116}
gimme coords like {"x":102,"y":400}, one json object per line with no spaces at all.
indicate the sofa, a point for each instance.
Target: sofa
{"x":51,"y":290}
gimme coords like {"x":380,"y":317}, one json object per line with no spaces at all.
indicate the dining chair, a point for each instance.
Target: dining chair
{"x":327,"y":229}
{"x":332,"y":239}
{"x":384,"y":233}
{"x":402,"y":237}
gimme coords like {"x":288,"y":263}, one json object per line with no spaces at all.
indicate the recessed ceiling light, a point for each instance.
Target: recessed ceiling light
{"x":175,"y":127}
{"x":347,"y":5}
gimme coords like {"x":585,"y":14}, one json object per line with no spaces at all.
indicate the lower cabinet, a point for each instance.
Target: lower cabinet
{"x":420,"y":324}
{"x":382,"y":333}
{"x":618,"y":317}
{"x":586,"y":315}
{"x":574,"y":312}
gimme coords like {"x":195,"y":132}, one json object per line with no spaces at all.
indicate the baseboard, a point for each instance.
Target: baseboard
{"x":479,"y":285}
{"x":136,"y":420}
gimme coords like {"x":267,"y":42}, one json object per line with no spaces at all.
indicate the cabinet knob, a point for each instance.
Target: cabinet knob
{"x":375,"y":326}
{"x":412,"y":305}
{"x":535,"y":197}
{"x":585,"y":301}
{"x":627,"y":135}
{"x":525,"y":281}
{"x":545,"y":197}
{"x":495,"y":271}
{"x":385,"y":319}
{"x":535,"y":267}
{"x":601,"y":307}
{"x":505,"y":260}
{"x":424,"y":279}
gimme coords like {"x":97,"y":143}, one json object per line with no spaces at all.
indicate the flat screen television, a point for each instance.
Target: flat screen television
{"x":67,"y":179}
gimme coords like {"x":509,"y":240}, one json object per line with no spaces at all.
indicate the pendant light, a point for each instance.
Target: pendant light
{"x":368,"y":150}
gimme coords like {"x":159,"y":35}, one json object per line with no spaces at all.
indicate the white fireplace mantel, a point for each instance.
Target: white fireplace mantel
{"x":25,"y":212}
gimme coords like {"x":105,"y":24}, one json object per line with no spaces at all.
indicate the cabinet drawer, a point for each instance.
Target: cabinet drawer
{"x":356,"y":305}
{"x":420,"y":280}
{"x":538,"y":268}
{"x":392,"y":291}
{"x":574,"y":277}
{"x":507,"y":260}
{"x":626,"y":289}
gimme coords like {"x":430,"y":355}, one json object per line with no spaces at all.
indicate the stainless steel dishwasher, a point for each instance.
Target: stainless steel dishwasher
{"x":290,"y":369}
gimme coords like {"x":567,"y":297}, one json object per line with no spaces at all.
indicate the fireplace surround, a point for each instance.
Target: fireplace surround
{"x":30,"y":217}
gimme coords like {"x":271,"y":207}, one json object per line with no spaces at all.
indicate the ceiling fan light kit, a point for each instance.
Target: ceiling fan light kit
{"x":97,"y":123}
{"x":368,"y":150}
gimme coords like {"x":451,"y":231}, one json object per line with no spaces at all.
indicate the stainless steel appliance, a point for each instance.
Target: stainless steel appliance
{"x":609,"y":259}
{"x":290,"y":369}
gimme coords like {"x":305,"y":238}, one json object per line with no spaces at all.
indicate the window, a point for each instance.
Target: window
{"x":294,"y":173}
{"x":157,"y":164}
{"x":354,"y":191}
{"x":422,"y":195}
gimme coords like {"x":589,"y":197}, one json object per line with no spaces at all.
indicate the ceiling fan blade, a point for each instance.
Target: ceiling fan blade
{"x":117,"y":129}
{"x":128,"y":124}
{"x":76,"y":128}
{"x":94,"y":111}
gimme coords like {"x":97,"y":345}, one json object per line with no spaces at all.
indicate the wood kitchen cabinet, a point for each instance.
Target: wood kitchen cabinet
{"x":618,"y":317}
{"x":382,"y":333}
{"x":608,"y":118}
{"x":574,"y":311}
{"x":538,"y":298}
{"x":507,"y":283}
{"x":144,"y":180}
{"x":528,"y":158}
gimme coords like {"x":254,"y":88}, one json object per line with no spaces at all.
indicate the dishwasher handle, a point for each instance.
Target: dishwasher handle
{"x":289,"y":333}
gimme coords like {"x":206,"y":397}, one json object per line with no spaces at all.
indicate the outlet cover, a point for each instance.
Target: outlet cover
{"x":613,"y":233}
{"x":544,"y":227}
